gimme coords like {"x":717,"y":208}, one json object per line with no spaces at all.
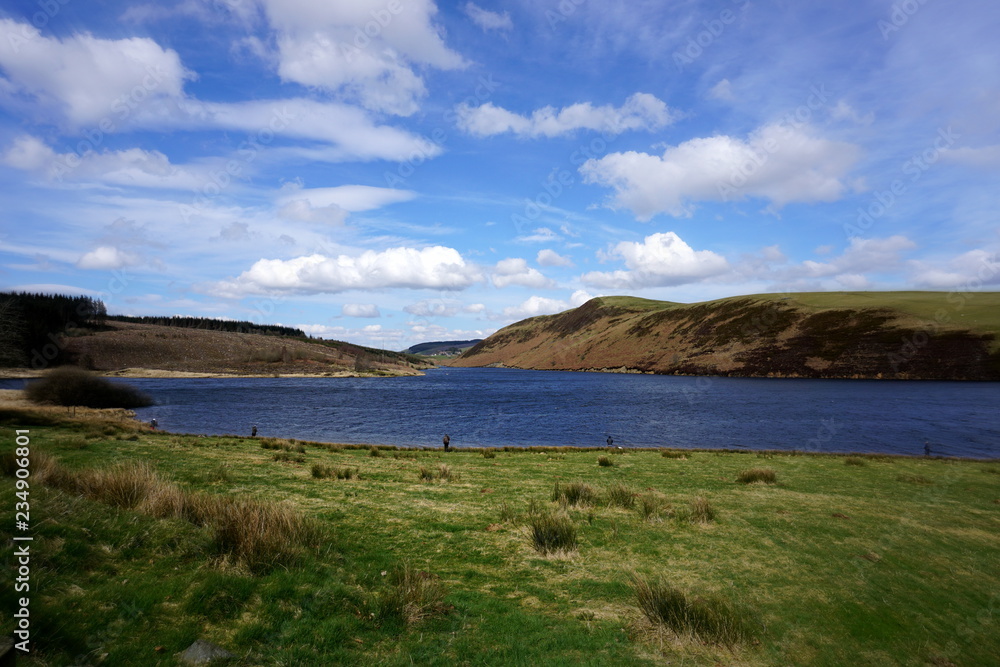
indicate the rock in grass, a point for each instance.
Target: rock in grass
{"x":202,"y":652}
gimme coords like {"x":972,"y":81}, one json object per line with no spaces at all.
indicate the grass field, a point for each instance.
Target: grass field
{"x":423,"y":557}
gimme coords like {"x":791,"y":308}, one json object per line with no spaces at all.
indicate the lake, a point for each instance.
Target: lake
{"x":495,"y":407}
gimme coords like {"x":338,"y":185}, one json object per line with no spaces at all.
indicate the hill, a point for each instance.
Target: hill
{"x":442,"y":347}
{"x":170,"y":349}
{"x":904,"y":335}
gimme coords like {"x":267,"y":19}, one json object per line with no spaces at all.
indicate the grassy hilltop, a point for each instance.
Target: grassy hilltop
{"x":905,"y":335}
{"x":147,"y":541}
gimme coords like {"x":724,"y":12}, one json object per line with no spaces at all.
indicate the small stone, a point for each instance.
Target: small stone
{"x":202,"y":652}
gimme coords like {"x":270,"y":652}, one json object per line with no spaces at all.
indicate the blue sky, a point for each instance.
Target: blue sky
{"x":392,"y":171}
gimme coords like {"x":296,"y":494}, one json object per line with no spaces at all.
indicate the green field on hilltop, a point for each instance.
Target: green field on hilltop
{"x":843,"y":560}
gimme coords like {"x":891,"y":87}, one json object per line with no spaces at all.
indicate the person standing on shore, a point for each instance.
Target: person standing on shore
{"x":253,"y":431}
{"x":447,"y":441}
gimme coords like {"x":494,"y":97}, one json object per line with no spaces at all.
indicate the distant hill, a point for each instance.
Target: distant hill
{"x":442,"y":347}
{"x":905,"y":335}
{"x":121,"y":345}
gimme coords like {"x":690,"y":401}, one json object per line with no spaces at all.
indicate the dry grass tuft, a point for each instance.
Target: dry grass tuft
{"x":757,"y":476}
{"x":707,"y":619}
{"x":574,"y":493}
{"x":620,"y":495}
{"x":411,"y":596}
{"x":553,"y":533}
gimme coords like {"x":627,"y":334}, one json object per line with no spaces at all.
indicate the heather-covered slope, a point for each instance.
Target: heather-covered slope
{"x":926,"y":335}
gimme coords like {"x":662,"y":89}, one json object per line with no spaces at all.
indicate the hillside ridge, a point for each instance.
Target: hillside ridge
{"x":877,"y":335}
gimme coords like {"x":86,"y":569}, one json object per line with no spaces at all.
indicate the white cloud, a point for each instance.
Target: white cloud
{"x":107,"y":258}
{"x":984,"y":156}
{"x":85,"y":79}
{"x":539,"y":235}
{"x":435,"y":267}
{"x":539,"y":305}
{"x":876,"y":255}
{"x":132,"y":167}
{"x":777,"y":162}
{"x":660,"y":260}
{"x":332,"y":205}
{"x":486,"y":19}
{"x":722,"y":91}
{"x":433,"y":308}
{"x":515,"y":271}
{"x":844,"y":111}
{"x":548,"y":257}
{"x":969,"y":271}
{"x":362,"y":50}
{"x":360,"y":310}
{"x":641,"y":111}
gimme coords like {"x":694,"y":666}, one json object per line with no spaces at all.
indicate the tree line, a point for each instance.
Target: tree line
{"x":31,"y":323}
{"x":235,"y":326}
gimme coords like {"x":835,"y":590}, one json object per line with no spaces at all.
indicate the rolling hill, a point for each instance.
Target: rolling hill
{"x":442,"y":347}
{"x":903,"y":335}
{"x":156,"y":349}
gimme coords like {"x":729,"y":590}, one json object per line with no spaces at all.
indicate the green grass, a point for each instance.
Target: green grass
{"x":839,"y":564}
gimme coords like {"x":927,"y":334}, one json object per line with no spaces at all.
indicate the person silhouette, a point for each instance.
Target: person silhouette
{"x":611,"y":441}
{"x":447,"y":441}
{"x":253,"y":431}
{"x":927,"y":448}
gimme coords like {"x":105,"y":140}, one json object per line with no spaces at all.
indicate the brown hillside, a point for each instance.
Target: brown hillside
{"x":890,"y":335}
{"x":146,"y":346}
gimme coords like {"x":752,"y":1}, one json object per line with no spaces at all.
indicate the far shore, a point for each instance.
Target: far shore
{"x":27,"y":374}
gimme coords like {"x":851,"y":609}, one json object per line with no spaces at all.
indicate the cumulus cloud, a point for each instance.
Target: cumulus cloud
{"x":779,"y":163}
{"x":107,"y":258}
{"x":547,"y":257}
{"x":364,"y":50}
{"x":660,"y":260}
{"x":641,"y":111}
{"x":970,"y":271}
{"x":360,"y":310}
{"x":515,"y":271}
{"x":85,"y":79}
{"x":486,"y":19}
{"x":434,"y":267}
{"x":539,"y":305}
{"x":539,"y":235}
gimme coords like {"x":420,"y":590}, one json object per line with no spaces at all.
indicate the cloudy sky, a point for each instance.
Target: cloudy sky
{"x":395,"y":171}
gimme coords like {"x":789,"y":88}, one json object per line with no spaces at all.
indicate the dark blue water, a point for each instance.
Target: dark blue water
{"x":496,"y":407}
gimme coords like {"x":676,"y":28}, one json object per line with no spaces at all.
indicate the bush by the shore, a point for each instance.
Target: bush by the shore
{"x":68,"y":385}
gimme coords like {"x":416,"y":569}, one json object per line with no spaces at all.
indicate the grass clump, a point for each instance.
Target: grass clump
{"x":605,"y":462}
{"x":410,"y":596}
{"x":854,"y":461}
{"x":620,"y":495}
{"x":574,"y":493}
{"x":701,"y":511}
{"x":489,"y":454}
{"x":289,"y":457}
{"x":320,"y":471}
{"x":673,"y":454}
{"x":708,"y":619}
{"x":69,"y":386}
{"x":553,"y":533}
{"x":374,"y":452}
{"x":757,"y":476}
{"x":653,"y":506}
{"x":443,"y":473}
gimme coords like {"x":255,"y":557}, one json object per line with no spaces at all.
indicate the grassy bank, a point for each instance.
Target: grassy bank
{"x":548,"y":557}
